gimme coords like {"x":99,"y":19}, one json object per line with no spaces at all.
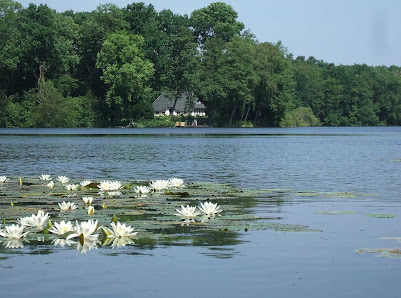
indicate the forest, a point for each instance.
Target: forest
{"x":105,"y":68}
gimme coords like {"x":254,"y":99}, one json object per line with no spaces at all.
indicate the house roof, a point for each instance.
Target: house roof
{"x":163,"y":102}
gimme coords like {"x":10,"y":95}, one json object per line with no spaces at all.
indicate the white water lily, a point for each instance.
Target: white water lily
{"x":3,"y":179}
{"x":13,"y":232}
{"x":24,"y":221}
{"x":38,"y":221}
{"x":110,"y":185}
{"x":141,"y":190}
{"x":187,"y":211}
{"x":85,"y":183}
{"x":114,"y":194}
{"x":210,"y":209}
{"x":45,"y":177}
{"x":67,"y":206}
{"x":176,"y":183}
{"x":87,"y":200}
{"x":71,"y":187}
{"x":120,"y":230}
{"x":159,"y":185}
{"x":61,"y":228}
{"x":91,"y":210}
{"x":50,"y":185}
{"x":63,"y":179}
{"x":85,"y":230}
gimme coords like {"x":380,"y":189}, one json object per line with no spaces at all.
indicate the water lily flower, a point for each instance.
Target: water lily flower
{"x":84,"y":230}
{"x":110,"y":185}
{"x":159,"y":185}
{"x":24,"y":221}
{"x":62,"y":228}
{"x":3,"y":179}
{"x":85,"y":183}
{"x":71,"y":187}
{"x":187,"y":211}
{"x":63,"y":179}
{"x":50,"y":185}
{"x":13,"y":243}
{"x":119,"y":230}
{"x":38,"y":221}
{"x":142,"y":190}
{"x":13,"y":232}
{"x":88,"y":200}
{"x":176,"y":183}
{"x":45,"y":177}
{"x":210,"y":209}
{"x":91,"y":210}
{"x":114,"y":194}
{"x":67,"y":206}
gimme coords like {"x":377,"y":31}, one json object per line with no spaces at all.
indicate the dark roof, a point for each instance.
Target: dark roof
{"x":162,"y":103}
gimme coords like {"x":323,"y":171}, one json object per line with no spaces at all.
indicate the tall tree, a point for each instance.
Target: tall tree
{"x":126,"y":72}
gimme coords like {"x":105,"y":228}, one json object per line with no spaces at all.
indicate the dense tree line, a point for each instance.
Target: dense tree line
{"x":105,"y":67}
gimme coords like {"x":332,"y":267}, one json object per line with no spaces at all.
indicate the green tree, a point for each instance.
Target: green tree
{"x":126,"y":73}
{"x":216,"y":20}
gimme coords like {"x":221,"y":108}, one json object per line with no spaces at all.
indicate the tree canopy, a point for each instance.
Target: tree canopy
{"x":105,"y":68}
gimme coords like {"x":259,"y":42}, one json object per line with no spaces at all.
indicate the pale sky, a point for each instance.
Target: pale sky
{"x":339,"y":31}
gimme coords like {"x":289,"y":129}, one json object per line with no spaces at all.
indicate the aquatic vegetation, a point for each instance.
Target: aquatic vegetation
{"x":3,"y":179}
{"x":336,"y":212}
{"x":71,"y":187}
{"x":45,"y":177}
{"x":85,"y":183}
{"x":61,"y":228}
{"x":63,"y":179}
{"x":13,"y":232}
{"x":142,"y":190}
{"x":85,"y":230}
{"x":159,"y":185}
{"x":119,"y":230}
{"x":87,"y":200}
{"x":50,"y":185}
{"x":210,"y":209}
{"x":67,"y":206}
{"x":109,"y":186}
{"x":187,"y":211}
{"x":162,"y":216}
{"x":176,"y":183}
{"x":380,"y":215}
{"x":38,"y":221}
{"x":91,"y":210}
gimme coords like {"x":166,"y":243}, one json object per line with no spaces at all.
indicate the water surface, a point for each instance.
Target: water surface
{"x":257,"y":263}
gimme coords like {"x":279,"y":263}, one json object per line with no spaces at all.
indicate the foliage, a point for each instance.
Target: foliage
{"x":105,"y":67}
{"x":300,"y":117}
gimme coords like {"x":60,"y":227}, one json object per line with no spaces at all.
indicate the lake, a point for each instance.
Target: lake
{"x":344,"y":183}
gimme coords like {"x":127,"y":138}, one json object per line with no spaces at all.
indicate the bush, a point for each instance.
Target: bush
{"x":299,"y":118}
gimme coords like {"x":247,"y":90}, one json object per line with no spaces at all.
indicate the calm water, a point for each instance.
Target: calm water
{"x":259,"y":263}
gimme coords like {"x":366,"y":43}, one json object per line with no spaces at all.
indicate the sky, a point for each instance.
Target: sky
{"x":335,"y":31}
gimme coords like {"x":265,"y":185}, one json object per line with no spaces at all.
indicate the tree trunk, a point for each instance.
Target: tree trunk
{"x":232,"y":115}
{"x":256,"y":116}
{"x":247,"y":112}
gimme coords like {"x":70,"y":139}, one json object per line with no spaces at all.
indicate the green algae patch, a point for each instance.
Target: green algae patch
{"x":335,"y":212}
{"x":393,"y":253}
{"x":381,"y":215}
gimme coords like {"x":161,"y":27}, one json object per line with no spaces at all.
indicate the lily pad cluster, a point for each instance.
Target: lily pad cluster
{"x":89,"y":213}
